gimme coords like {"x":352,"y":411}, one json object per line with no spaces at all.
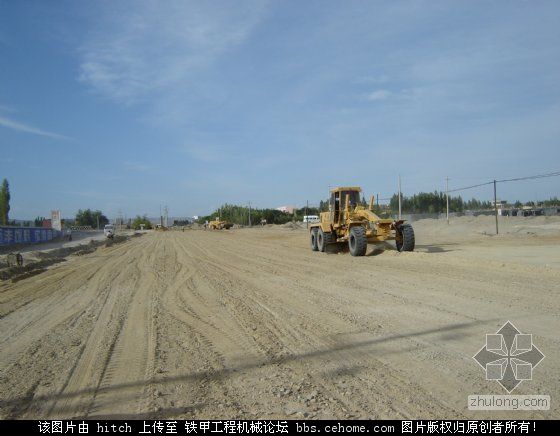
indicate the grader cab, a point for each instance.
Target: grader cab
{"x":348,"y":221}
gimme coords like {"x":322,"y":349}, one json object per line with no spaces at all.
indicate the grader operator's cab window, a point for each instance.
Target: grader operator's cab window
{"x":354,"y":198}
{"x":335,"y":206}
{"x":338,"y":202}
{"x":340,"y":199}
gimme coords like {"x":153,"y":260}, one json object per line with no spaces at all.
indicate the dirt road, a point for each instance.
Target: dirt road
{"x":250,"y":323}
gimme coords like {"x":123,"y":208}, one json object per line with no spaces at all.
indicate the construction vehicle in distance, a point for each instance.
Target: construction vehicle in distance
{"x":109,"y":231}
{"x":347,"y":221}
{"x":218,"y":224}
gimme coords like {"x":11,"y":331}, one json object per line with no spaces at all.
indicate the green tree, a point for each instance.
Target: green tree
{"x":139,"y":220}
{"x":91,"y":218}
{"x":324,"y":205}
{"x":39,"y":221}
{"x":4,"y":202}
{"x":427,"y":202}
{"x":300,"y":213}
{"x":240,"y":215}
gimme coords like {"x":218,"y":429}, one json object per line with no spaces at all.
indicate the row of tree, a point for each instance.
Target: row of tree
{"x":240,"y":215}
{"x":423,"y":202}
{"x":436,"y":202}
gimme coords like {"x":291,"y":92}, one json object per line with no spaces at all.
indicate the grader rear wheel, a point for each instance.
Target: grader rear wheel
{"x":357,"y":241}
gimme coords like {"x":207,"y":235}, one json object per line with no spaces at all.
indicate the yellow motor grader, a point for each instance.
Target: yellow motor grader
{"x":347,"y":221}
{"x":218,"y":224}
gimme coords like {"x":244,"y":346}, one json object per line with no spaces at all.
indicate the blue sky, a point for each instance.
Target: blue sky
{"x":126,"y":106}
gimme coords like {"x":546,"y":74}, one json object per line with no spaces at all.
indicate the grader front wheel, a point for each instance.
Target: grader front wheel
{"x":357,"y":241}
{"x":405,"y":238}
{"x":314,"y":239}
{"x":323,"y":239}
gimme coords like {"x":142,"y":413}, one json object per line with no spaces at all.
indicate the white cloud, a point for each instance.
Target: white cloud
{"x":15,"y":125}
{"x":157,"y":46}
{"x":381,"y":94}
{"x":204,"y":153}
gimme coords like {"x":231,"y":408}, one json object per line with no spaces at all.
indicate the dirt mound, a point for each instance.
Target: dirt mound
{"x":78,"y":250}
{"x":117,"y":239}
{"x":48,"y":258}
{"x":292,"y":226}
{"x":17,"y":273}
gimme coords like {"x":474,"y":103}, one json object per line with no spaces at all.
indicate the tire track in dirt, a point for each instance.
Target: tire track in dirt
{"x":117,"y":341}
{"x":15,"y":296}
{"x":214,"y":335}
{"x":251,"y":324}
{"x":280,"y":339}
{"x":404,"y":295}
{"x":131,"y":361}
{"x":52,"y":353}
{"x":58,"y":303}
{"x":414,"y":342}
{"x":358,"y":401}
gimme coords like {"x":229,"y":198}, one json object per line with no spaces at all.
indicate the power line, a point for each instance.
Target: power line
{"x":470,"y":187}
{"x":494,"y":182}
{"x":538,"y":176}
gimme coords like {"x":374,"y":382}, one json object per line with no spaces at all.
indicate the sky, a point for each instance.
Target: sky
{"x":128,"y":106}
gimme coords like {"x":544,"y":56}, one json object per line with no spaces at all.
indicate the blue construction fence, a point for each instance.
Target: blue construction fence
{"x":26,"y":235}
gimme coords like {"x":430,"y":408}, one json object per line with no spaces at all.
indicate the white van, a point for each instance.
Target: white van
{"x":109,"y":230}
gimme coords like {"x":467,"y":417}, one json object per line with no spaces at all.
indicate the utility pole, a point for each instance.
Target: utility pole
{"x":399,"y":196}
{"x":495,"y":207}
{"x":249,"y":214}
{"x":98,"y":222}
{"x":447,"y":197}
{"x":306,"y":218}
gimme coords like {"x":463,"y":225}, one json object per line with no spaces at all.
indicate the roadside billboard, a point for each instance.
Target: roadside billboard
{"x":26,"y":235}
{"x":55,"y":220}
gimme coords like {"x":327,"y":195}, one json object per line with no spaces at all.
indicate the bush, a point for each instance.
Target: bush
{"x":91,"y":218}
{"x":139,"y":220}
